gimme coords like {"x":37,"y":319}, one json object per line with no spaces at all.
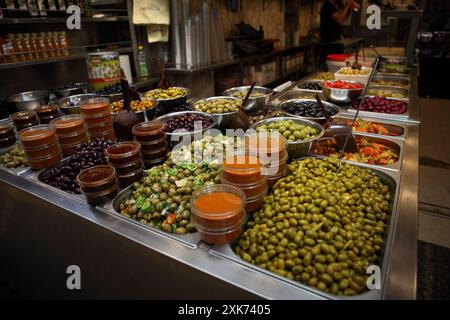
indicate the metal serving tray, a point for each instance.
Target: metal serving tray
{"x":403,"y":91}
{"x":391,"y":179}
{"x":395,"y":145}
{"x":380,"y":115}
{"x":190,"y":240}
{"x":298,"y":84}
{"x":399,"y":129}
{"x":294,"y":94}
{"x":402,"y":79}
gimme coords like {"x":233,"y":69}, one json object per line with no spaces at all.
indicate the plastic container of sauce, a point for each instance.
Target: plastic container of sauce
{"x":109,"y":135}
{"x":218,"y":213}
{"x":95,"y":106}
{"x":156,"y":154}
{"x":37,"y":136}
{"x":68,"y":125}
{"x":98,"y":119}
{"x":125,"y":168}
{"x":155,"y":162}
{"x":267,"y":146}
{"x":242,"y":169}
{"x":154,"y":145}
{"x":254,"y":204}
{"x":40,"y":146}
{"x":24,"y":119}
{"x":251,"y":190}
{"x":47,"y":113}
{"x":98,"y":184}
{"x":128,"y":178}
{"x":7,"y":135}
{"x":149,"y":131}
{"x":273,"y":179}
{"x":71,"y":132}
{"x":123,"y":152}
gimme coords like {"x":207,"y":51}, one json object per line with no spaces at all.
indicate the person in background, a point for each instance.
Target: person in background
{"x":332,"y":14}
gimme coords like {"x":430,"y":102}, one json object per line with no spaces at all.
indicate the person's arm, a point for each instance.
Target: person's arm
{"x":343,"y":13}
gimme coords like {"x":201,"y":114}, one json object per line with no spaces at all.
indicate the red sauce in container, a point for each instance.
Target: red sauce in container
{"x":94,"y":106}
{"x":67,"y":125}
{"x":47,"y":113}
{"x":242,"y":169}
{"x":37,"y":136}
{"x":43,"y":163}
{"x":100,"y":128}
{"x":99,"y":183}
{"x":98,"y":119}
{"x":123,"y":152}
{"x":107,"y":135}
{"x":149,"y":131}
{"x":7,"y":135}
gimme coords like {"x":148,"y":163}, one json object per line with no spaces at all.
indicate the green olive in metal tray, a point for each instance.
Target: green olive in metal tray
{"x":161,"y":199}
{"x":217,"y":106}
{"x":165,"y":94}
{"x":267,"y":114}
{"x":319,"y":227}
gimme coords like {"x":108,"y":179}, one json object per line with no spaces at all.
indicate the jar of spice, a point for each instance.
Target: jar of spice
{"x":17,"y":48}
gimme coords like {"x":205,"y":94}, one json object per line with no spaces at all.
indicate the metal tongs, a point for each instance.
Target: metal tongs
{"x":337,"y":131}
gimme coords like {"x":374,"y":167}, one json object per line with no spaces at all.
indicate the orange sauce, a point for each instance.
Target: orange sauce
{"x":37,"y":138}
{"x":68,"y":126}
{"x":95,"y":108}
{"x":218,"y":202}
{"x":242,"y":169}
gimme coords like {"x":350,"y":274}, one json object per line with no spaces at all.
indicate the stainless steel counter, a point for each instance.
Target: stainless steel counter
{"x":42,"y":231}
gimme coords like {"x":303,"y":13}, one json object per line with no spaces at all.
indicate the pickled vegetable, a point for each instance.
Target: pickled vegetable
{"x":290,"y":130}
{"x":219,"y":105}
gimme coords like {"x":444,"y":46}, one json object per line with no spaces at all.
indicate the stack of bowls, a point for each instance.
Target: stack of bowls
{"x":7,"y":135}
{"x":47,"y":113}
{"x":98,"y":184}
{"x":97,"y":116}
{"x":41,"y":146}
{"x":153,"y":141}
{"x":24,"y":119}
{"x":71,"y":132}
{"x":218,"y":213}
{"x":245,"y":173}
{"x":126,"y":158}
{"x":271,"y":148}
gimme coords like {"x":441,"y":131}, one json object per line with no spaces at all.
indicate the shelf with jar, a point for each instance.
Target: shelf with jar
{"x":49,"y":11}
{"x":22,"y":49}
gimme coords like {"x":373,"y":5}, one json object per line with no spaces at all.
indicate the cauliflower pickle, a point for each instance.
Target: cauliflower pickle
{"x":320,"y":228}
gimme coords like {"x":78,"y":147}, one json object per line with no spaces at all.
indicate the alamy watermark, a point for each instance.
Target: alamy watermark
{"x":374,"y":17}
{"x":73,"y":281}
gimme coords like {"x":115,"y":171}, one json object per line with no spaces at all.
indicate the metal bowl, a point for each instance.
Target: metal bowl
{"x":81,"y":88}
{"x":113,"y":97}
{"x":342,"y":95}
{"x":174,"y":137}
{"x":166,"y":105}
{"x":286,"y":103}
{"x":144,"y":115}
{"x":223,"y":120}
{"x":253,"y":103}
{"x":30,"y":100}
{"x":71,"y":104}
{"x":296,"y":149}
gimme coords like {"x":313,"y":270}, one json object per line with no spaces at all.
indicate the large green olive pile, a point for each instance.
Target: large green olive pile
{"x":290,"y":130}
{"x":219,"y":105}
{"x":14,"y":158}
{"x":320,"y":228}
{"x":161,"y":199}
